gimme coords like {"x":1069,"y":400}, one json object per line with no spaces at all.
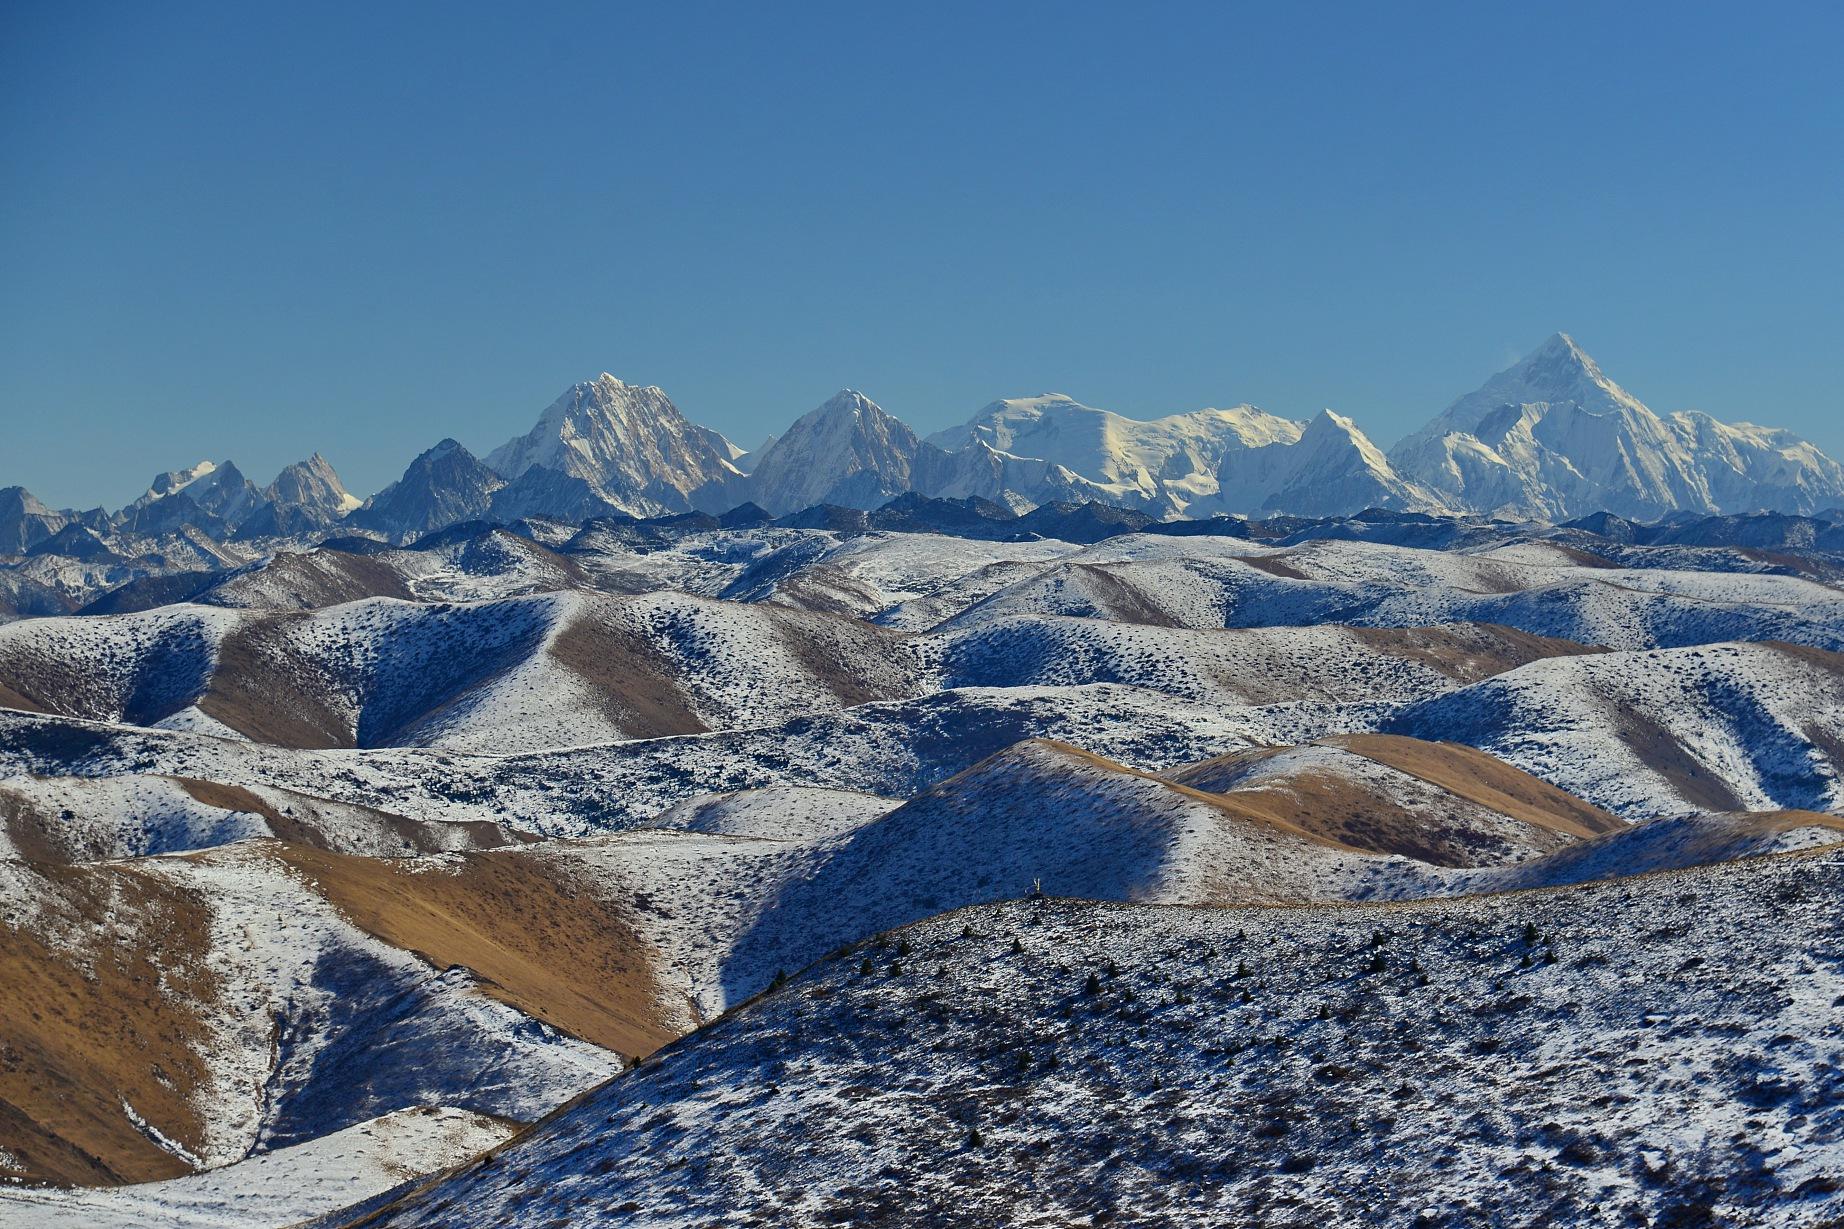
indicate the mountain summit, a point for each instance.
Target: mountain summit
{"x":631,"y":448}
{"x":444,"y":485}
{"x":1553,"y":437}
{"x":1159,"y":465}
{"x":849,"y":451}
{"x":1331,"y":469}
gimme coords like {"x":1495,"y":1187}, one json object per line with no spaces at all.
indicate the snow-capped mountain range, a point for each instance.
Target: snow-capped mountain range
{"x":1550,"y":438}
{"x":1554,"y":437}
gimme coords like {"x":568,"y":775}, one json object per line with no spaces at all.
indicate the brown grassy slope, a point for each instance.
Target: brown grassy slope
{"x":635,"y":680}
{"x":297,"y":820}
{"x":42,"y":834}
{"x":38,"y":835}
{"x":1120,"y":599}
{"x":90,"y":1017}
{"x":1299,"y":825}
{"x":1586,"y":559}
{"x":255,"y":689}
{"x":1787,"y":821}
{"x":37,"y":682}
{"x":538,"y":941}
{"x":1654,"y":745}
{"x":322,"y":577}
{"x":13,"y":699}
{"x":1485,"y":779}
{"x":1460,"y":807}
{"x":1469,"y":652}
{"x":1274,"y":565}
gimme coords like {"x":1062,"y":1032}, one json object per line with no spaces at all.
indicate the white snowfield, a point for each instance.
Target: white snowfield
{"x":1170,"y":461}
{"x":273,"y":1189}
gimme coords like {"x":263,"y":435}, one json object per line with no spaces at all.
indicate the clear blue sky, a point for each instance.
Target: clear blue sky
{"x":257,"y":230}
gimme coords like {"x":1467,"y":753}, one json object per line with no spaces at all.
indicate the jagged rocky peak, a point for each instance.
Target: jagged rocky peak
{"x":1560,"y":370}
{"x":304,"y":498}
{"x":311,"y":483}
{"x":631,"y":445}
{"x":1557,"y":373}
{"x":25,"y":521}
{"x":1552,"y":438}
{"x":849,"y":451}
{"x":177,"y":480}
{"x":211,"y":496}
{"x":445,"y":484}
{"x":1549,"y":437}
{"x":850,"y":414}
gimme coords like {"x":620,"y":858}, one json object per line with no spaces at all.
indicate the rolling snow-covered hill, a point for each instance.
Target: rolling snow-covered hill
{"x":1719,"y":727}
{"x":558,"y":669}
{"x":1658,"y":1051}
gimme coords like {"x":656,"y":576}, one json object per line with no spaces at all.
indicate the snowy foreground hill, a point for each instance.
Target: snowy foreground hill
{"x":931,"y":862}
{"x":1660,"y":1052}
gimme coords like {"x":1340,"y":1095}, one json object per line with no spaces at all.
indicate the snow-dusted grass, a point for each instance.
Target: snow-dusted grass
{"x":1654,"y":1051}
{"x":1258,"y":666}
{"x":305,"y":1023}
{"x":1720,"y":727}
{"x":272,"y":1189}
{"x":1756,"y":724}
{"x":1370,"y":584}
{"x":892,"y":749}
